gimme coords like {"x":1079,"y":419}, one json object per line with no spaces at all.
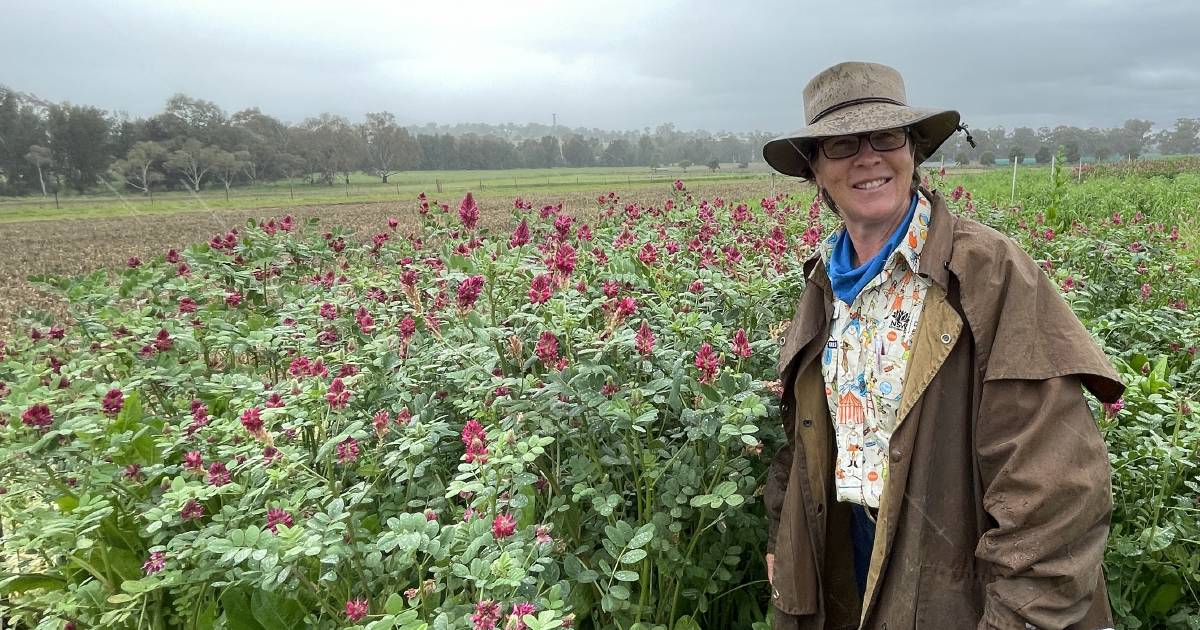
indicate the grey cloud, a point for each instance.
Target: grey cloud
{"x":704,"y":64}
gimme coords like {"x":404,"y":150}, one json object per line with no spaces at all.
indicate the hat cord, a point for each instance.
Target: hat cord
{"x":963,"y":128}
{"x":857,"y":101}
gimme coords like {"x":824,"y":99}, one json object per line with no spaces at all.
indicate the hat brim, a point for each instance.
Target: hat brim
{"x":930,"y":128}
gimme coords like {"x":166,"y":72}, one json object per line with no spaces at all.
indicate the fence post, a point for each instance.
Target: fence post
{"x":1012,"y":199}
{"x":1053,"y":163}
{"x":56,"y":206}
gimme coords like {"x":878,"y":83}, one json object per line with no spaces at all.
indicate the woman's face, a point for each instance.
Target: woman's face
{"x":871,"y":186}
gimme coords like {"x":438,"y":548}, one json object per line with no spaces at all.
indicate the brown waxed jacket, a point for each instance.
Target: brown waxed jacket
{"x":996,"y":507}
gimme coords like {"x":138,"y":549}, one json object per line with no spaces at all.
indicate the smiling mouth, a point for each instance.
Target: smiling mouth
{"x":873,"y":184}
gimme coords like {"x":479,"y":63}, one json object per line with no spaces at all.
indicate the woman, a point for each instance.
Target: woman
{"x":943,"y":469}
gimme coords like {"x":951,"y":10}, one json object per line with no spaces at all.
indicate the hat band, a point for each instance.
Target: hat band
{"x":850,"y":103}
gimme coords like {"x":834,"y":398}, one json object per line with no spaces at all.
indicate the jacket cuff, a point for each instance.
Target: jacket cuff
{"x":996,"y":616}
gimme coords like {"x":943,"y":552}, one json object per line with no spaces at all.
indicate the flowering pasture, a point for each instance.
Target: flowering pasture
{"x":562,"y":423}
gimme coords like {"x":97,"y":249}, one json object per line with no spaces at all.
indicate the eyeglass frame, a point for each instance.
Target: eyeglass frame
{"x":859,"y":136}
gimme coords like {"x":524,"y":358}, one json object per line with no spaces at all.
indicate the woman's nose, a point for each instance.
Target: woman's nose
{"x":866,"y":154}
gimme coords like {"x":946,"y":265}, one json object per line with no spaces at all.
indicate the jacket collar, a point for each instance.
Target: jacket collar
{"x":939,"y":245}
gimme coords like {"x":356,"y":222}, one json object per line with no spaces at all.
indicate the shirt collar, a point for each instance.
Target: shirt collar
{"x":910,"y":247}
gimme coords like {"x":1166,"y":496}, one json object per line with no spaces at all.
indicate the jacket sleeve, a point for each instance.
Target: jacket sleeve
{"x":777,"y":478}
{"x":1045,"y":475}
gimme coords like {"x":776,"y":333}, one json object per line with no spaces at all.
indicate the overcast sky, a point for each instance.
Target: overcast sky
{"x":622,"y":64}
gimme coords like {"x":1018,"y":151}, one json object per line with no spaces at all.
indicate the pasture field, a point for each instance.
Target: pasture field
{"x":505,"y":414}
{"x":365,"y":188}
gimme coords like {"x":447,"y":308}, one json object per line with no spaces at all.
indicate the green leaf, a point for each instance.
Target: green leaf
{"x":31,"y":581}
{"x":394,"y":604}
{"x":587,"y":576}
{"x":626,"y":576}
{"x":725,"y":488}
{"x":235,"y":603}
{"x":633,"y":555}
{"x":276,"y":610}
{"x":1163,"y":599}
{"x":619,"y":591}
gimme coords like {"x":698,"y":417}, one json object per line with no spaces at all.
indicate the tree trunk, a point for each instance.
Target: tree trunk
{"x":41,"y":180}
{"x":384,"y":176}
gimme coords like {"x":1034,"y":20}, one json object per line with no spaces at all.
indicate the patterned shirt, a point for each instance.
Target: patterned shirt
{"x":865,"y":360}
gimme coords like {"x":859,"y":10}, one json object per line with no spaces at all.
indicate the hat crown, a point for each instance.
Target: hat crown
{"x":850,"y":83}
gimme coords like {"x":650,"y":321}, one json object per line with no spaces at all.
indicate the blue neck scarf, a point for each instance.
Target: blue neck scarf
{"x":848,"y":281}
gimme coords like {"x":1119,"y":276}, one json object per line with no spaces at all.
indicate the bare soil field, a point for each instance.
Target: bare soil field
{"x":71,"y":247}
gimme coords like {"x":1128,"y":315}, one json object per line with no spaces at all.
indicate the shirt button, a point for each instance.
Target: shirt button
{"x":820,"y":508}
{"x":775,"y":593}
{"x":807,"y":423}
{"x":945,"y":337}
{"x":896,"y":454}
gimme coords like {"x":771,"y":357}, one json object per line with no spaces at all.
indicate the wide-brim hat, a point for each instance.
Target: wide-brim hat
{"x":852,"y":98}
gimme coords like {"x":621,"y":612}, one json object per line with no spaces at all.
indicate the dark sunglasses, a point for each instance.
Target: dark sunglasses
{"x":842,"y":147}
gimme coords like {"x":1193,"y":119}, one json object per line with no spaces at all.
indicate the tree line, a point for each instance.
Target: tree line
{"x":193,"y":144}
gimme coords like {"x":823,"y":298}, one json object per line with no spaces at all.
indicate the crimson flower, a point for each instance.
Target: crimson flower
{"x":366,"y":323}
{"x":277,"y":517}
{"x":645,"y":340}
{"x":648,"y":255}
{"x":347,"y":451}
{"x":487,"y":613}
{"x":408,"y":327}
{"x":192,"y":460}
{"x":218,"y":474}
{"x":187,"y":305}
{"x":191,"y":510}
{"x":252,"y":420}
{"x":520,"y":236}
{"x":468,"y":212}
{"x":474,"y":437}
{"x":741,"y":346}
{"x":707,"y":362}
{"x":513,"y":621}
{"x":547,"y":348}
{"x":233,"y":298}
{"x":1145,"y":291}
{"x":327,"y":311}
{"x":468,"y":292}
{"x":678,"y":184}
{"x":155,"y":563}
{"x":564,"y":259}
{"x":113,"y":401}
{"x":503,"y":526}
{"x":163,"y":341}
{"x":540,"y":289}
{"x":356,"y":609}
{"x":38,"y":416}
{"x":696,"y":286}
{"x":337,"y":394}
